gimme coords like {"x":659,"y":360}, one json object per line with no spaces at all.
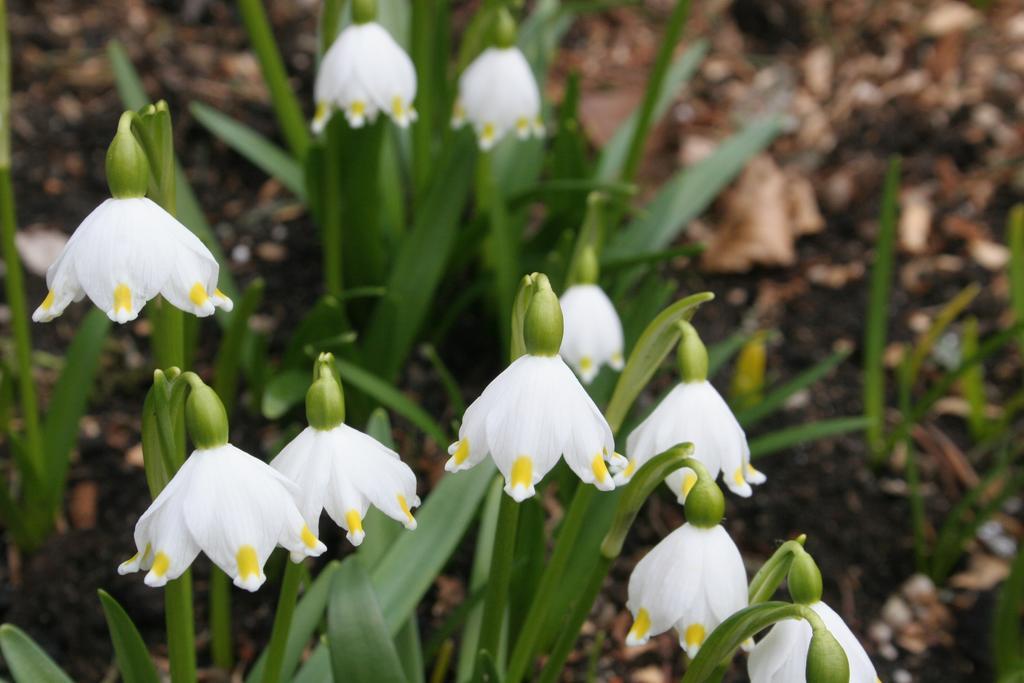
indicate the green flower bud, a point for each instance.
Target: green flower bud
{"x":364,"y":11}
{"x":705,"y":504}
{"x":504,"y":29}
{"x":587,"y":267}
{"x":127,"y":166}
{"x":325,"y":400}
{"x":542,"y":326}
{"x":205,"y":417}
{"x":826,"y":660}
{"x":804,"y":578}
{"x":691,"y":354}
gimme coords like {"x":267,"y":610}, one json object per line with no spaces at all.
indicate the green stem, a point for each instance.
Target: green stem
{"x":282,"y":621}
{"x":502,"y":245}
{"x":333,"y":243}
{"x":423,"y":51}
{"x":673,"y":31}
{"x":500,"y":577}
{"x":181,"y":633}
{"x":286,"y":106}
{"x":550,"y":582}
{"x":917,"y":515}
{"x":220,"y":619}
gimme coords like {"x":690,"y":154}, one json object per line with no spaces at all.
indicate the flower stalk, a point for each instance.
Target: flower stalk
{"x":282,"y":621}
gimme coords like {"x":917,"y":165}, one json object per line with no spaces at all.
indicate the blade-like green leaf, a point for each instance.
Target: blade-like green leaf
{"x":70,"y":398}
{"x":360,"y":642}
{"x":229,"y":355}
{"x":689,"y":192}
{"x":732,"y":632}
{"x":392,"y":398}
{"x":283,"y":392}
{"x":308,"y":615}
{"x":1006,"y":632}
{"x":263,"y":153}
{"x":614,"y":153}
{"x":778,"y":396}
{"x":1015,"y":237}
{"x":926,"y":342}
{"x":26,"y":660}
{"x":794,"y":436}
{"x":130,"y":651}
{"x":650,"y":350}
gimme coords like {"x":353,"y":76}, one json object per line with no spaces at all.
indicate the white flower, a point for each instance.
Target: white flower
{"x":781,"y":656}
{"x":365,"y":72}
{"x":233,"y":507}
{"x":125,"y":253}
{"x":693,"y":580}
{"x":697,"y":413}
{"x":527,"y":417}
{"x":497,"y":94}
{"x":344,"y":471}
{"x":593,"y":332}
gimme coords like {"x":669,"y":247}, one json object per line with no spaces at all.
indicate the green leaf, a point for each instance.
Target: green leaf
{"x":360,"y":642}
{"x":316,"y":669}
{"x":1015,"y":236}
{"x":654,"y":344}
{"x":950,"y":312}
{"x":263,"y":153}
{"x":70,"y":398}
{"x":689,"y":192}
{"x":773,"y":572}
{"x":325,"y":321}
{"x":794,"y":436}
{"x":229,"y":355}
{"x":392,"y":398}
{"x":724,"y":640}
{"x":614,"y":153}
{"x":410,"y":651}
{"x":26,"y":660}
{"x":778,"y":396}
{"x":1006,"y":633}
{"x":283,"y":392}
{"x":130,"y":651}
{"x":129,"y":87}
{"x":308,"y":614}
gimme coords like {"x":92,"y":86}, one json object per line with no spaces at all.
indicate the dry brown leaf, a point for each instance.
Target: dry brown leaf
{"x":915,"y":221}
{"x":82,"y":504}
{"x":38,"y":247}
{"x":984,"y":572}
{"x":950,"y":17}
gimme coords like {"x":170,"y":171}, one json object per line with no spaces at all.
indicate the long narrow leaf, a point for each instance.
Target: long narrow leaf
{"x":778,"y":396}
{"x":1006,"y":632}
{"x":1015,"y":230}
{"x":133,"y":659}
{"x":26,"y":660}
{"x":794,"y":436}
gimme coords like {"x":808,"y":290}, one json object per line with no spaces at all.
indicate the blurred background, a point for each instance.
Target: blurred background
{"x":789,"y":248}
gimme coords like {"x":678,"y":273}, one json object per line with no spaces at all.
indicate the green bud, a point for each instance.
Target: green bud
{"x":325,"y":400}
{"x":587,"y":267}
{"x":804,"y":578}
{"x":504,"y":29}
{"x":826,"y":660}
{"x":127,"y":166}
{"x":542,"y":326}
{"x":692,"y":355}
{"x":705,"y":504}
{"x":364,"y":11}
{"x":205,"y":417}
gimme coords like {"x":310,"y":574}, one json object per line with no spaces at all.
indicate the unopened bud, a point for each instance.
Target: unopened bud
{"x":691,"y":354}
{"x":804,"y":578}
{"x":325,"y":400}
{"x":504,"y":29}
{"x":542,"y":325}
{"x":205,"y":417}
{"x":364,"y":11}
{"x":826,"y":660}
{"x":705,"y":504}
{"x":127,"y":166}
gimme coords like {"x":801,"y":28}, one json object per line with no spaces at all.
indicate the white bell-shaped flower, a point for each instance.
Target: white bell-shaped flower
{"x":536,"y":411}
{"x":125,"y":253}
{"x":498,"y":92}
{"x":593,"y":331}
{"x":365,"y":72}
{"x":781,"y":656}
{"x":694,"y":412}
{"x":692,"y":580}
{"x":344,"y":471}
{"x":233,"y":507}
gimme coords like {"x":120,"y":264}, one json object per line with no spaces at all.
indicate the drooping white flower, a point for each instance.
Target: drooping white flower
{"x":781,"y":656}
{"x":233,"y":507}
{"x":692,"y":580}
{"x":365,"y":72}
{"x":498,"y":94}
{"x":694,"y":412}
{"x":528,"y":416}
{"x":125,"y":253}
{"x":344,"y":471}
{"x":593,"y":331}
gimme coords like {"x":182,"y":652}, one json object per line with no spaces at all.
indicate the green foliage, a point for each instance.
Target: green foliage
{"x":129,"y":649}
{"x":26,"y":660}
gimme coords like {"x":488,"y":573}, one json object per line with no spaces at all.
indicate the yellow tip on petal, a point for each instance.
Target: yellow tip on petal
{"x":522,"y":472}
{"x":47,"y":302}
{"x":642,"y":624}
{"x":461,"y":452}
{"x":737,"y":477}
{"x":488,"y":133}
{"x":248,"y":563}
{"x":600,"y":469}
{"x":161,"y":563}
{"x":197,"y":294}
{"x":405,"y":508}
{"x":122,"y":298}
{"x":354,"y":521}
{"x":322,"y":109}
{"x":694,"y":635}
{"x":308,"y":539}
{"x":689,"y":479}
{"x":357,"y":108}
{"x":586,"y":364}
{"x":397,"y":106}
